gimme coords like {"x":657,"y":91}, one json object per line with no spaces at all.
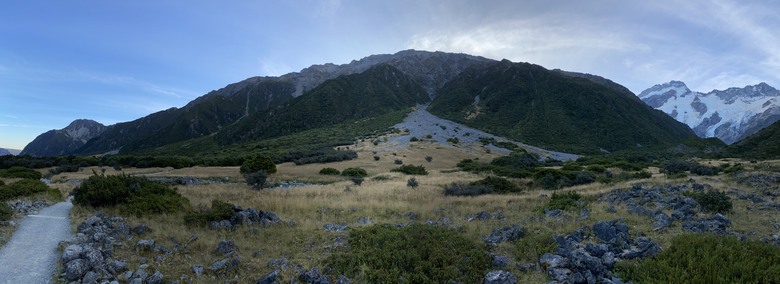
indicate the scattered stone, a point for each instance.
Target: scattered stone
{"x":197,"y":269}
{"x":75,"y":269}
{"x":364,"y":221}
{"x":313,"y":276}
{"x":662,"y":221}
{"x":218,"y":265}
{"x":501,"y":261}
{"x":500,"y":277}
{"x":505,"y":234}
{"x":226,"y":247}
{"x":141,"y":230}
{"x":411,"y":215}
{"x":270,"y":278}
{"x":72,"y":252}
{"x":155,"y":278}
{"x":335,"y":227}
{"x":144,"y":245}
{"x":343,"y":280}
{"x":527,"y":267}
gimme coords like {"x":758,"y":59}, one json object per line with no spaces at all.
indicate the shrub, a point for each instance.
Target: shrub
{"x":356,"y":180}
{"x":642,"y":174}
{"x":6,"y":212}
{"x":398,"y":162}
{"x":412,"y":182}
{"x":703,"y":170}
{"x":219,"y":210}
{"x":565,"y":201}
{"x":134,"y":195}
{"x":415,"y":254}
{"x":354,"y":172}
{"x":376,"y":158}
{"x":531,"y":247}
{"x":20,"y":172}
{"x":411,"y":170}
{"x":597,"y":168}
{"x":256,"y":180}
{"x":258,"y":163}
{"x":413,"y":139}
{"x":329,"y":172}
{"x":428,"y":159}
{"x":498,"y":184}
{"x":453,"y":140}
{"x":472,"y":166}
{"x":461,"y":189}
{"x":28,"y":187}
{"x":712,"y":200}
{"x":584,"y":178}
{"x":708,"y":259}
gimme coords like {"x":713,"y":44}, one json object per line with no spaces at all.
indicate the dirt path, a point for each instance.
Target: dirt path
{"x":31,"y":254}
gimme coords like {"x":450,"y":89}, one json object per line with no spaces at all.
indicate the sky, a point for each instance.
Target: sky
{"x":116,"y":61}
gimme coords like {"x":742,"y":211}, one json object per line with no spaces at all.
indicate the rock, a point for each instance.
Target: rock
{"x":140,"y":273}
{"x":313,"y":276}
{"x":93,"y":257}
{"x":226,"y":247}
{"x":117,"y":266}
{"x":270,"y":278}
{"x":72,"y":252}
{"x":140,"y":230}
{"x":234,"y":263}
{"x":144,"y":245}
{"x":605,"y":231}
{"x":500,"y":277}
{"x":218,"y":265}
{"x":549,"y":260}
{"x":197,"y":269}
{"x":90,"y":278}
{"x":412,"y":216}
{"x":155,"y":278}
{"x":363,"y":221}
{"x":335,"y":227}
{"x":527,"y":267}
{"x":75,"y":269}
{"x":559,"y":274}
{"x":343,"y":280}
{"x":505,"y":234}
{"x":596,"y":250}
{"x":662,"y":221}
{"x":501,"y":260}
{"x":584,"y":214}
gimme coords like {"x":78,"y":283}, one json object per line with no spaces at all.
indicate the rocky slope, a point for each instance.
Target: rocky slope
{"x":66,"y":140}
{"x":730,"y":115}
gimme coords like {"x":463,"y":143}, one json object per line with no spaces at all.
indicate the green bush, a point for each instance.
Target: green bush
{"x":705,"y":258}
{"x":566,"y":200}
{"x":413,"y":254}
{"x":329,"y":172}
{"x":462,"y":189}
{"x":134,"y":195}
{"x":256,"y":180}
{"x":354,"y":172}
{"x":258,"y":163}
{"x":28,"y":187}
{"x":411,"y":170}
{"x":498,"y":184}
{"x":531,"y":247}
{"x":6,"y":212}
{"x":642,"y":174}
{"x":219,"y":210}
{"x":412,"y":182}
{"x":472,"y":166}
{"x":20,"y":172}
{"x":712,"y":200}
{"x":453,"y":140}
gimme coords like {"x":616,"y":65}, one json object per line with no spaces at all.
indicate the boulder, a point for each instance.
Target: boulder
{"x":270,"y":278}
{"x":75,"y":269}
{"x":500,"y":277}
{"x":72,"y":252}
{"x":226,"y":247}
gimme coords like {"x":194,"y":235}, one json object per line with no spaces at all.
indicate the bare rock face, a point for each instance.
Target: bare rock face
{"x":66,"y":140}
{"x":730,"y":115}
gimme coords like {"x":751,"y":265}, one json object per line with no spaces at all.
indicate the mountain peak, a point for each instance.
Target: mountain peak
{"x":66,"y":140}
{"x":677,"y":87}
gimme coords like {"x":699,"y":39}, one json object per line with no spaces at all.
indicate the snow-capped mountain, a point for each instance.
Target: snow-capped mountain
{"x":729,"y":115}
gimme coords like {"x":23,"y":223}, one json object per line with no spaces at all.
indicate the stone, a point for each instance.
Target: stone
{"x":500,"y":277}
{"x":226,"y":247}
{"x":662,"y":221}
{"x":197,"y":269}
{"x":140,"y":230}
{"x":270,"y":278}
{"x":90,"y":278}
{"x":364,"y":220}
{"x":505,"y":234}
{"x":140,"y":274}
{"x":218,"y":265}
{"x":604,"y":231}
{"x":343,"y":280}
{"x":527,"y":267}
{"x":501,"y":260}
{"x":559,"y":274}
{"x":584,"y":214}
{"x":75,"y":269}
{"x":313,"y":276}
{"x":72,"y":252}
{"x":597,"y":250}
{"x":335,"y":227}
{"x":144,"y":245}
{"x":93,"y":257}
{"x":117,"y":266}
{"x":155,"y":278}
{"x":549,"y":260}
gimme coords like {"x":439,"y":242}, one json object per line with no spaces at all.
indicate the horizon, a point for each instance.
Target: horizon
{"x":117,"y":62}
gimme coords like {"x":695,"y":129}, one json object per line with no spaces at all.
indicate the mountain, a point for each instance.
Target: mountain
{"x":64,"y":141}
{"x":729,"y":115}
{"x":562,"y":111}
{"x":764,"y":144}
{"x":222,"y":108}
{"x":4,"y":152}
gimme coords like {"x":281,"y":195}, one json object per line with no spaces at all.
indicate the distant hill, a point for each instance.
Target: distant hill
{"x":64,"y":141}
{"x":765,"y":144}
{"x":730,"y":115}
{"x":4,"y":151}
{"x":558,"y":110}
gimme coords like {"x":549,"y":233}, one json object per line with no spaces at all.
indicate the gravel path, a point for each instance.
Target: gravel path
{"x":31,"y":254}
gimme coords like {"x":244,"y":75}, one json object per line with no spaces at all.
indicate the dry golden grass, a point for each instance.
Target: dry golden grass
{"x":385,"y":201}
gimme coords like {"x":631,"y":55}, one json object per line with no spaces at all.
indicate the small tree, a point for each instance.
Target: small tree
{"x":258,"y":163}
{"x":257,"y":179}
{"x":428,"y":159}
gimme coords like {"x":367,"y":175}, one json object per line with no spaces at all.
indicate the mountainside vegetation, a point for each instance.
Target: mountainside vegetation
{"x":763,"y":145}
{"x":531,"y":104}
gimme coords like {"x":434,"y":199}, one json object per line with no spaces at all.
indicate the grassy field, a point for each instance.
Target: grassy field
{"x":385,"y":199}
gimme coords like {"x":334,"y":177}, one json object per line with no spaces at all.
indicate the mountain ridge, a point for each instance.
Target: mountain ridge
{"x":66,"y":140}
{"x":730,"y":115}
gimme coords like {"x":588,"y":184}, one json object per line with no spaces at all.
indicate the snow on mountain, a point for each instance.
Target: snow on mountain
{"x":729,"y":115}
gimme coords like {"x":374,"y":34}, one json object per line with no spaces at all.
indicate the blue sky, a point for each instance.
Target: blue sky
{"x":115,"y":61}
